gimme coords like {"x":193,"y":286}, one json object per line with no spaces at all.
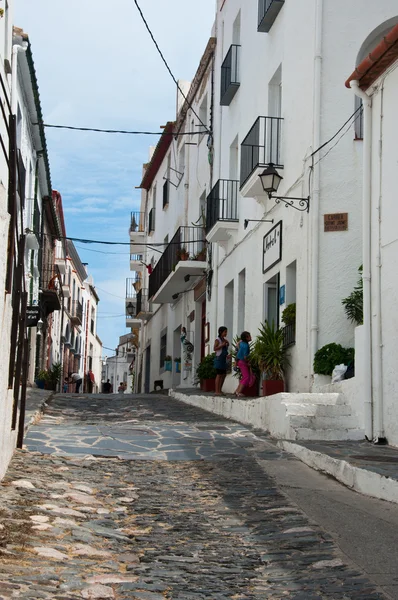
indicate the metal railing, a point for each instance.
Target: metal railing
{"x":137,"y":224}
{"x":136,"y":257}
{"x":261,"y":146}
{"x":187,"y":243}
{"x":143,"y":304}
{"x":267,"y":12}
{"x":230,"y":75}
{"x":132,"y":283}
{"x":166,"y":190}
{"x":77,"y":311}
{"x":289,"y":335}
{"x":151,"y":220}
{"x":222,"y":203}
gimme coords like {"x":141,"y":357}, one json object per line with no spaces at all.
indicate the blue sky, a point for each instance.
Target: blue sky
{"x":97,"y":67}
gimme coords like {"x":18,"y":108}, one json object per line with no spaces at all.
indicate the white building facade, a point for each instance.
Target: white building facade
{"x":375,"y":81}
{"x":120,"y":368}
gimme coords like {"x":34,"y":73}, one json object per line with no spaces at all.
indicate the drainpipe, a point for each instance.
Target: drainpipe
{"x":316,"y":181}
{"x":14,"y":75}
{"x":366,"y":240}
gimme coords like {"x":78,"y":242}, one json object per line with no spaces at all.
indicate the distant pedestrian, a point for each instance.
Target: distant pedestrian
{"x":65,"y":385}
{"x":221,"y":345}
{"x":90,"y":381}
{"x":107,"y":387}
{"x":77,"y":380}
{"x":243,"y":362}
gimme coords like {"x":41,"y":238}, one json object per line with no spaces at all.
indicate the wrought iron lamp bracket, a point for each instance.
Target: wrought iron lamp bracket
{"x":303,"y":203}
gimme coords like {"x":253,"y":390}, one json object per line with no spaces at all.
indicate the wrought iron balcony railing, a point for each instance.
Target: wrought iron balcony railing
{"x":187,"y":243}
{"x":289,"y":335}
{"x":261,"y":146}
{"x":230,"y":75}
{"x":137,"y":224}
{"x":268,"y":10}
{"x":133,"y":284}
{"x":143,"y":304}
{"x":77,"y":311}
{"x":222,"y":203}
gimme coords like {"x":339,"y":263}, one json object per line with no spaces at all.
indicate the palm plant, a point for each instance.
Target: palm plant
{"x":270,"y":353}
{"x":353,"y":304}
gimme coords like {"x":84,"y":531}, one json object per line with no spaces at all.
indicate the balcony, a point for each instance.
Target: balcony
{"x":133,"y":285}
{"x":181,"y":264}
{"x":144,"y":307}
{"x":222,"y":210}
{"x":138,"y":232}
{"x":76,"y":316}
{"x":289,"y":335}
{"x":261,"y":146}
{"x":268,"y":10}
{"x":52,"y":291}
{"x":230,"y":75}
{"x":136,"y":263}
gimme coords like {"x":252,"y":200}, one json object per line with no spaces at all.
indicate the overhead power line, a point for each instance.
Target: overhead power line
{"x":152,"y":245}
{"x":337,"y":132}
{"x":122,"y":131}
{"x":167,"y":66}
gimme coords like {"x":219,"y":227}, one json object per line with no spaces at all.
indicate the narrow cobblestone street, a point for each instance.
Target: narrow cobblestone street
{"x":145,"y":498}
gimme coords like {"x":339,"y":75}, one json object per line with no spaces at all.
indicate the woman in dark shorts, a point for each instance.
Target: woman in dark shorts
{"x":220,"y":362}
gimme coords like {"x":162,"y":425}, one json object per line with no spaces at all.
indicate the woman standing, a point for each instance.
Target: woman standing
{"x":242,"y":358}
{"x":220,"y":362}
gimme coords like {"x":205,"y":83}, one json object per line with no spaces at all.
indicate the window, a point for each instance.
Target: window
{"x":241,"y":301}
{"x":163,"y":348}
{"x":275,"y":94}
{"x":92,"y":328}
{"x":358,"y":119}
{"x":229,"y":309}
{"x":234,"y":160}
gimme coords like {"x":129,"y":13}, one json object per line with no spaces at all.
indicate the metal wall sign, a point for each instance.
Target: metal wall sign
{"x":336,"y":222}
{"x":272,"y":247}
{"x":32,"y":316}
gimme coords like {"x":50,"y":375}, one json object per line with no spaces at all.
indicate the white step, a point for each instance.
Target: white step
{"x":323,"y":410}
{"x":304,"y":433}
{"x":330,"y":398}
{"x":319,"y":422}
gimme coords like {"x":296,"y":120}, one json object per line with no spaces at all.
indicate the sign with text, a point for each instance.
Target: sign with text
{"x":32,"y":316}
{"x":336,"y":222}
{"x":272,"y":247}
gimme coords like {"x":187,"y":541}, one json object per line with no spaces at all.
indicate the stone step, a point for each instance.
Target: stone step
{"x":323,"y":410}
{"x":305,"y":433}
{"x":319,"y":422}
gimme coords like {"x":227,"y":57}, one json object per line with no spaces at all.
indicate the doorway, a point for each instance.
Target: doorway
{"x":271,"y":301}
{"x":147,"y":383}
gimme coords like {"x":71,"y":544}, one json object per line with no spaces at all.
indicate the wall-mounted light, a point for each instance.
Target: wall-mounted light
{"x":247,"y":221}
{"x":270,"y":180}
{"x":130,"y":308}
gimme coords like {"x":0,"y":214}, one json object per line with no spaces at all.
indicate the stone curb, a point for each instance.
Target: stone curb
{"x":38,"y":412}
{"x":360,"y":480}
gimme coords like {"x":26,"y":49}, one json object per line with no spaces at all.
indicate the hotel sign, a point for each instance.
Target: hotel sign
{"x":272,"y":247}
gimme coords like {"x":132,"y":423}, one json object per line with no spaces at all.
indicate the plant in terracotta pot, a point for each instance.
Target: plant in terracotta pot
{"x":182,"y":254}
{"x":206,"y":373}
{"x":201,"y":255}
{"x":270,"y":355}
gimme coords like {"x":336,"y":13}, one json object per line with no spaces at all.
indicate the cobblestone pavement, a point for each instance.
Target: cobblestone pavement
{"x":145,"y":498}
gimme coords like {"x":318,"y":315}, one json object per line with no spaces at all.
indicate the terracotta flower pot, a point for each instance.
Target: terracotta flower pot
{"x":271,"y":387}
{"x":208,"y":385}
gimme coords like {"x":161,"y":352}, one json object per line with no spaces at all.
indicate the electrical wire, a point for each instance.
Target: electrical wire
{"x":152,"y":245}
{"x":110,"y":294}
{"x":339,"y":139}
{"x":121,"y":131}
{"x":337,"y":132}
{"x":167,"y":66}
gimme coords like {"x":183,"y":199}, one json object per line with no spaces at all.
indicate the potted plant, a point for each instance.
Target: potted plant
{"x":353,"y":304}
{"x":289,"y":314}
{"x":41,"y":379}
{"x":327,"y":357}
{"x":178,"y":364}
{"x":251,"y":391}
{"x":182,"y":253}
{"x":206,"y":373}
{"x":270,"y":355}
{"x":54,"y":375}
{"x":201,"y":255}
{"x":168,"y":364}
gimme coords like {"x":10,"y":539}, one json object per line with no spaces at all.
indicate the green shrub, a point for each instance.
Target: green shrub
{"x":206,"y":368}
{"x":289,"y":314}
{"x":353,"y":304}
{"x":269,"y":352}
{"x":327,"y":357}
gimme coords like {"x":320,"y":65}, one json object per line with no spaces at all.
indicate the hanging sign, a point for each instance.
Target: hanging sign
{"x":32,"y":316}
{"x":272,"y":247}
